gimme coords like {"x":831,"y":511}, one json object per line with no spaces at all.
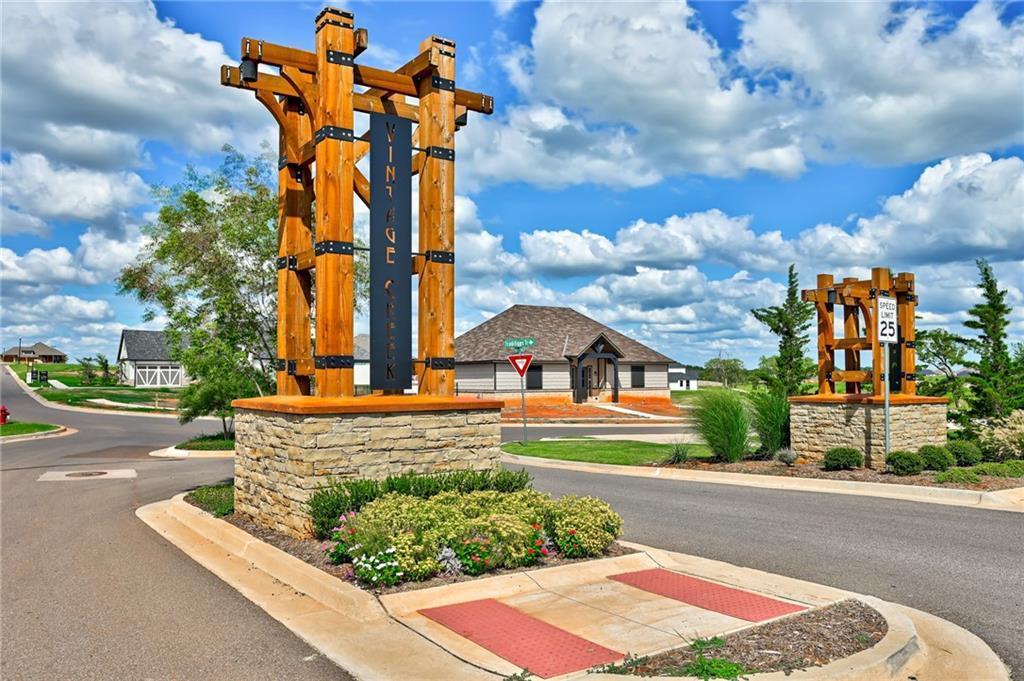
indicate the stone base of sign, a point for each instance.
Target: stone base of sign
{"x":820,"y":422}
{"x":287,"y":447}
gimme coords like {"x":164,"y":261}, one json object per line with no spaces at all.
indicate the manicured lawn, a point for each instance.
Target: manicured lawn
{"x":216,"y":499}
{"x":18,"y":428}
{"x":621,"y":452}
{"x":79,"y":396}
{"x":209,"y":443}
{"x":68,"y":374}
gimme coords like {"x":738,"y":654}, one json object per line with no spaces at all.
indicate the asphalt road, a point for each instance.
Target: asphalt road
{"x":90,"y":592}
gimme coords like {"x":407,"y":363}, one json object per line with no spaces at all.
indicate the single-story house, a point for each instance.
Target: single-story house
{"x":682,"y":377}
{"x":575,"y":359}
{"x":145,"y":361}
{"x":37,"y":352}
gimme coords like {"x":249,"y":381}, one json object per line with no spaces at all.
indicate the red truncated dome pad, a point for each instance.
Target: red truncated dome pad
{"x":525,"y":641}
{"x":708,"y":595}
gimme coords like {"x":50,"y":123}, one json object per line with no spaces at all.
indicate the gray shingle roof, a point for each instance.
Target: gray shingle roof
{"x":145,"y":345}
{"x":38,"y":349}
{"x":558,"y":331}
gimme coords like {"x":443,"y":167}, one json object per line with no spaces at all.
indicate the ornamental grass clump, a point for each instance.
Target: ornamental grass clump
{"x":842,"y":458}
{"x":771,"y":421}
{"x":1004,"y":439}
{"x":723,"y":423}
{"x":965,"y":452}
{"x":904,"y":463}
{"x":936,"y":458}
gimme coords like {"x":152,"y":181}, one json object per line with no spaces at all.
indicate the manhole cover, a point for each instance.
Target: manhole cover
{"x":86,"y":474}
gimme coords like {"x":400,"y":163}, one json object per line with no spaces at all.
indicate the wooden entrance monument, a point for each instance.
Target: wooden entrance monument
{"x":854,"y":417}
{"x":287,"y":445}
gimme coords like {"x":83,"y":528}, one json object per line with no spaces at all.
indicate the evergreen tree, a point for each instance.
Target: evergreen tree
{"x":994,"y":370}
{"x":790,"y":322}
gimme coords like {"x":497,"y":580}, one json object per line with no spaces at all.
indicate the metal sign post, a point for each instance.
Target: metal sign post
{"x":521,"y":363}
{"x":887,"y":333}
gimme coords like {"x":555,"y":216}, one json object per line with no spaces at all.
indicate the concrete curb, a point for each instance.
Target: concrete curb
{"x":84,"y":410}
{"x":1004,"y":500}
{"x":175,"y":453}
{"x":352,"y":628}
{"x":60,"y":431}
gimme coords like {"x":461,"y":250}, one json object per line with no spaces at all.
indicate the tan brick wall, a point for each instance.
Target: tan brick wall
{"x":816,"y":428}
{"x":281,"y":458}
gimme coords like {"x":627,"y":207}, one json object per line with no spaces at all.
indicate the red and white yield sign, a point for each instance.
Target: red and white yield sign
{"x":520,"y":363}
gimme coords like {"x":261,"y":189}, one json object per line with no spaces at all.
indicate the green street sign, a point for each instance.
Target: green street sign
{"x":518,"y":343}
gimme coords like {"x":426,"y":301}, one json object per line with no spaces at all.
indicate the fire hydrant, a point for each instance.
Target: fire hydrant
{"x":3,"y":415}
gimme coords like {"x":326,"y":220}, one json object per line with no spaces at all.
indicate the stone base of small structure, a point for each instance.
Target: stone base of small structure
{"x":287,"y":447}
{"x":820,"y":422}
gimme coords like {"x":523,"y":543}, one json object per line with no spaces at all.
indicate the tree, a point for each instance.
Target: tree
{"x":790,"y":322}
{"x":209,"y":266}
{"x":994,"y":374}
{"x":103,"y":367}
{"x":87,"y":370}
{"x":946,"y":353}
{"x":768,"y":369}
{"x":728,"y":372}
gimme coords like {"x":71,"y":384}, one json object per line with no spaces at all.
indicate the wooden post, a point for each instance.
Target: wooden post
{"x":908,"y":357}
{"x":826,"y":339}
{"x":333,"y":136}
{"x":294,"y":235}
{"x":437,"y":221}
{"x":851,"y":329}
{"x":881,"y":283}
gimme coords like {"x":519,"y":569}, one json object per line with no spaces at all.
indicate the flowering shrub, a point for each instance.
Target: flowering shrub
{"x":584,"y":526}
{"x":401,"y":537}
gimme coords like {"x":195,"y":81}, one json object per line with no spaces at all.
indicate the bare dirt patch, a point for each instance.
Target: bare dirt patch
{"x":809,"y":639}
{"x":311,"y":551}
{"x":813,"y":470}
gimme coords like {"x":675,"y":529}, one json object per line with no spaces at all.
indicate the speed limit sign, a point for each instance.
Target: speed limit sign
{"x":887,"y":330}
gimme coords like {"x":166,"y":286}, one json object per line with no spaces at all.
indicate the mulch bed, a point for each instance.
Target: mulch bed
{"x":810,"y":639}
{"x":813,"y":470}
{"x":311,"y":551}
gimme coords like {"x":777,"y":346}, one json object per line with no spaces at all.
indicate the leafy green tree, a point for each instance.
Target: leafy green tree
{"x":768,"y":369}
{"x":210,"y":267}
{"x":994,"y":371}
{"x":945,"y":353}
{"x":728,"y":372}
{"x":87,"y":370}
{"x":106,"y":376}
{"x":790,"y":322}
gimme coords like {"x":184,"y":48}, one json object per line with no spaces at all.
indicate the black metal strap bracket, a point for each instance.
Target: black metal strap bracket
{"x":282,"y":163}
{"x":910,"y":298}
{"x":333,"y":132}
{"x":288,"y":365}
{"x":440,"y":363}
{"x":910,"y":344}
{"x":333,"y":362}
{"x":290,"y":262}
{"x":910,"y":377}
{"x":440,"y":83}
{"x":340,"y":58}
{"x":441,"y":257}
{"x":442,"y":153}
{"x":336,"y":247}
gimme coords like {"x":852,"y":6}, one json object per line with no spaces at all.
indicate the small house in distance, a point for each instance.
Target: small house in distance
{"x":682,"y":377}
{"x":37,"y":352}
{"x":144,"y":360}
{"x":575,"y":359}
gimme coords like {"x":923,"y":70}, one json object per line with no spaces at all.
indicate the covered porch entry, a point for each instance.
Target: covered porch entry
{"x":595,"y":371}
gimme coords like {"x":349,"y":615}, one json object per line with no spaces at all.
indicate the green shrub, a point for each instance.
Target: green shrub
{"x":842,"y":458}
{"x":1004,"y":439}
{"x":331,"y":502}
{"x":964,"y":476}
{"x":786,"y":456}
{"x":1004,"y":469}
{"x":965,"y":452}
{"x":583,"y":526}
{"x":723,"y":423}
{"x":936,"y":458}
{"x":904,"y":463}
{"x":771,"y":421}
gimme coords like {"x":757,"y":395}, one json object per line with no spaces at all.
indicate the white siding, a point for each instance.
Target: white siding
{"x":475,"y":378}
{"x":656,"y":376}
{"x":508,"y":379}
{"x":556,"y":377}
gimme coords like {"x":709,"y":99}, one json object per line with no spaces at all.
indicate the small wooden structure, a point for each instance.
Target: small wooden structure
{"x":858,"y":299}
{"x":314,"y":100}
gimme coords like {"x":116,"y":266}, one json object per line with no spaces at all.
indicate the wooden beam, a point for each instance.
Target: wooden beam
{"x":436,"y":320}
{"x":268,"y":82}
{"x":362,"y":41}
{"x":334,"y":209}
{"x":368,"y":103}
{"x":880,"y":281}
{"x":859,"y":376}
{"x":306,"y":88}
{"x":362,"y":186}
{"x":826,"y":340}
{"x":414,"y":68}
{"x":906,"y":301}
{"x":852,"y":344}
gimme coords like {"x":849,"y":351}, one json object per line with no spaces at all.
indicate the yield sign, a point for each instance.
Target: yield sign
{"x":520,"y":363}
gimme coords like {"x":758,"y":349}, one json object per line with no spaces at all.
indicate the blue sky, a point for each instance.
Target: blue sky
{"x":656,"y":166}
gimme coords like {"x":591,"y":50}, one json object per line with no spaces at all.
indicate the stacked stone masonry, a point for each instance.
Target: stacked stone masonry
{"x":816,"y":428}
{"x":280,"y":459}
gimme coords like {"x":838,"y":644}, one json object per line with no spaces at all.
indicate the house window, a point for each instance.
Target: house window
{"x":535,"y":378}
{"x":636,"y":376}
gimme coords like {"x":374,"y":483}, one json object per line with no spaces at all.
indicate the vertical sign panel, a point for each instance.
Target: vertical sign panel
{"x":390,"y":252}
